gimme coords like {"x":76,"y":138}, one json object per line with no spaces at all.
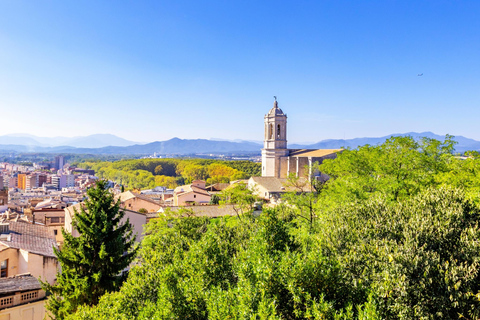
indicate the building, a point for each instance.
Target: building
{"x":22,"y":181}
{"x":3,"y":197}
{"x":42,"y":179}
{"x":27,"y":248}
{"x":31,"y":181}
{"x":59,"y":162}
{"x":191,"y":194}
{"x":279,"y":161}
{"x":137,"y":220}
{"x":55,"y":181}
{"x":67,"y":181}
{"x":272,"y":188}
{"x":137,"y":202}
{"x":53,"y":219}
{"x":21,"y":297}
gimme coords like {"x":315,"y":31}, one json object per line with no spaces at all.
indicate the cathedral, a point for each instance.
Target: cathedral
{"x":280,"y":162}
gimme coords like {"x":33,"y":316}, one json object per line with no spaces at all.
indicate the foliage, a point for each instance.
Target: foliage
{"x":392,"y":235}
{"x":148,"y":173}
{"x":91,"y":263}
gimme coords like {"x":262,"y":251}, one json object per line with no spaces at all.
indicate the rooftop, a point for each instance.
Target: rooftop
{"x":315,"y":153}
{"x":21,"y":282}
{"x":36,"y":239}
{"x":275,"y":111}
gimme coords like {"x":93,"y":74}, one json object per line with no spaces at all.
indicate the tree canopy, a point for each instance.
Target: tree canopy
{"x":392,"y":235}
{"x":148,"y":173}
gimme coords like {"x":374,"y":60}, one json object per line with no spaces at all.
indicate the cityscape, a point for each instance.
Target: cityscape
{"x":239,"y":160}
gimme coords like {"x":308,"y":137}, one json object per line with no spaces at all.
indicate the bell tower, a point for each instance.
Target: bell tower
{"x":275,"y":141}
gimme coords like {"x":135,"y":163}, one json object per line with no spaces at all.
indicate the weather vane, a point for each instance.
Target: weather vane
{"x":275,"y":97}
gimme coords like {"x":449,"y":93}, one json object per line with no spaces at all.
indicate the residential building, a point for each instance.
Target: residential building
{"x":31,"y":181}
{"x":136,"y":219}
{"x":3,"y":197}
{"x":194,"y":193}
{"x":59,"y":162}
{"x":27,"y":248}
{"x":21,"y":297}
{"x":67,"y":181}
{"x":22,"y":181}
{"x":136,"y":202}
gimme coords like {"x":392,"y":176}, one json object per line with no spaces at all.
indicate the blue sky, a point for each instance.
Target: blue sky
{"x":153,"y":70}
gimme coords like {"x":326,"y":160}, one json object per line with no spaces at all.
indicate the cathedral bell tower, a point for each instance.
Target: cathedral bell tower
{"x":275,"y":141}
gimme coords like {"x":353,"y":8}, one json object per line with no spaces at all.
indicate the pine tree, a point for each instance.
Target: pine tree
{"x":92,"y":263}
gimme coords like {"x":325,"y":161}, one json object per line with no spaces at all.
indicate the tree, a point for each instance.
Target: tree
{"x":158,"y":170}
{"x":92,"y":263}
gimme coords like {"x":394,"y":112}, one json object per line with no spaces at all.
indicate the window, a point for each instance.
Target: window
{"x":55,"y":232}
{"x":270,"y":131}
{"x":4,"y":269}
{"x":194,"y":195}
{"x":278,"y":132}
{"x":55,"y":219}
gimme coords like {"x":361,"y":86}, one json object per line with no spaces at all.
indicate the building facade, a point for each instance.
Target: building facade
{"x":278,"y":161}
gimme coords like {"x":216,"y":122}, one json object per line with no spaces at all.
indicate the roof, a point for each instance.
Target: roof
{"x":22,"y":282}
{"x":127,"y":195}
{"x":190,"y":188}
{"x":211,"y":211}
{"x":275,"y":111}
{"x":274,"y":184}
{"x":33,"y":238}
{"x":218,"y":186}
{"x":315,"y":153}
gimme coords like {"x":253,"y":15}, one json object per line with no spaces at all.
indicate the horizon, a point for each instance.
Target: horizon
{"x":341,"y":70}
{"x":260,"y":142}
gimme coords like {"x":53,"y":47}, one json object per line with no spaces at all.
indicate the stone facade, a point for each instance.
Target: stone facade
{"x":279,"y":161}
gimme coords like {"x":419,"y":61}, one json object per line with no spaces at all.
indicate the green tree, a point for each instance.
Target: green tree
{"x":92,"y":263}
{"x":158,"y":170}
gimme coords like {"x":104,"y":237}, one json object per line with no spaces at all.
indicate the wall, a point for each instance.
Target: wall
{"x":190,"y":197}
{"x":136,"y":204}
{"x":12,"y":256}
{"x":137,"y":221}
{"x":30,"y":311}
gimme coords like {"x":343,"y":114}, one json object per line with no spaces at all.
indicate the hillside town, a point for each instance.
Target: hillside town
{"x":37,"y":201}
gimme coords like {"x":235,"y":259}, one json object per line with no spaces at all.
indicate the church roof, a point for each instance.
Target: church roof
{"x":315,"y":153}
{"x":275,"y":111}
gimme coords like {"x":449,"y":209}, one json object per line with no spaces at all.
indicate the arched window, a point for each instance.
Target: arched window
{"x":278,"y":132}
{"x":270,"y":131}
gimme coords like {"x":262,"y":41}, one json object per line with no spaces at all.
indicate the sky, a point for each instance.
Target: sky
{"x":154,"y":70}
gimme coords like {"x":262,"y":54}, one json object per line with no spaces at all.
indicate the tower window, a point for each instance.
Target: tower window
{"x":270,"y":131}
{"x":278,"y":132}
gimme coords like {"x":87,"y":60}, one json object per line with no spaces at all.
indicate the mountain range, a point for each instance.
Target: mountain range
{"x":110,"y":144}
{"x":91,"y":141}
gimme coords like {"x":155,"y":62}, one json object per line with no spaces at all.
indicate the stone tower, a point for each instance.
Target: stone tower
{"x":275,"y":141}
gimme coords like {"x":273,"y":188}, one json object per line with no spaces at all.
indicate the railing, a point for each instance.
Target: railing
{"x":20,"y":298}
{"x":28,"y":296}
{"x":6,"y":302}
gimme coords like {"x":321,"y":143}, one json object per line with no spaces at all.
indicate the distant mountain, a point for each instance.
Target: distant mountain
{"x":464,"y":144}
{"x":202,"y":146}
{"x":178,"y":146}
{"x":91,"y":141}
